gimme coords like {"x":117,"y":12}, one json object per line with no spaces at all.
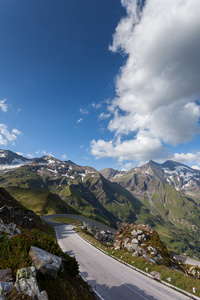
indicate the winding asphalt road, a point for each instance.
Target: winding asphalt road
{"x":80,"y":218}
{"x":111,"y":279}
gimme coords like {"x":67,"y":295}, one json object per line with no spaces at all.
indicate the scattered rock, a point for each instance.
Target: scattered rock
{"x":103,"y":236}
{"x":195,"y":271}
{"x":135,"y":254}
{"x":45,"y":262}
{"x":194,"y":290}
{"x":149,"y":259}
{"x":135,"y":241}
{"x":117,"y":245}
{"x":156,"y":275}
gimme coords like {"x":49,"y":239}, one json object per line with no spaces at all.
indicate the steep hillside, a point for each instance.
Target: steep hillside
{"x":20,"y":230}
{"x":177,"y":214}
{"x":12,"y":211}
{"x":40,"y":201}
{"x":83,"y":188}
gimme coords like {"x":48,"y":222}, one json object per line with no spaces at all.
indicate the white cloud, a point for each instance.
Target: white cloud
{"x":196,"y":167}
{"x":84,"y":111}
{"x":104,"y":116}
{"x":157,"y":89}
{"x":29,"y":155}
{"x":16,"y":131}
{"x":187,"y":158}
{"x":8,"y":137}
{"x":80,"y":120}
{"x":44,"y":152}
{"x":96,"y":105}
{"x":20,"y":153}
{"x":127,"y":167}
{"x":139,"y":149}
{"x":64,"y":156}
{"x":3,"y":105}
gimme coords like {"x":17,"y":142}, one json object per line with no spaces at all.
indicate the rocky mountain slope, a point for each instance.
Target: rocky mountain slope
{"x":180,"y":176}
{"x":83,"y":188}
{"x":161,"y":188}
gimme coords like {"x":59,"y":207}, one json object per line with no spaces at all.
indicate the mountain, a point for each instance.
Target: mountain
{"x":162,"y":189}
{"x":83,"y":188}
{"x":180,"y":176}
{"x":153,"y":194}
{"x":11,"y":160}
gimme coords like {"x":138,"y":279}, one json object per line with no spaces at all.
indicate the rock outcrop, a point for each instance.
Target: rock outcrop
{"x":11,"y":229}
{"x":45,"y":262}
{"x":143,"y":241}
{"x":22,"y":217}
{"x":26,"y":284}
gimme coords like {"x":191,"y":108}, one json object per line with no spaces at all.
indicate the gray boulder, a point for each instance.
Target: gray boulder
{"x":134,"y":241}
{"x":4,"y":288}
{"x":10,"y":229}
{"x":135,"y":254}
{"x":156,"y":275}
{"x":149,"y":259}
{"x":45,"y":262}
{"x":134,"y":233}
{"x":26,"y":283}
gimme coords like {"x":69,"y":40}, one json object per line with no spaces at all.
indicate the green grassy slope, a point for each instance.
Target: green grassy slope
{"x":40,"y":201}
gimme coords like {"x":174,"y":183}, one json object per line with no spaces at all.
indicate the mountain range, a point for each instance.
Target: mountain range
{"x":165,"y":196}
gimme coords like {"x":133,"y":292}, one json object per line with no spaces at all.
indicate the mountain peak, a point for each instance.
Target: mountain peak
{"x":11,"y":159}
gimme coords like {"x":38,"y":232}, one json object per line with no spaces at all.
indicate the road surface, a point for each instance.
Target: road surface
{"x":186,"y":260}
{"x":179,"y":257}
{"x":111,"y":279}
{"x":81,"y":218}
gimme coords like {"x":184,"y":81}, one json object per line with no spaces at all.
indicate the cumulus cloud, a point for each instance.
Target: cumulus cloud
{"x":196,"y":167}
{"x":64,"y":156}
{"x":44,"y":152}
{"x":20,"y":153}
{"x":157,"y":89}
{"x":29,"y":155}
{"x":8,"y":137}
{"x":3,"y":105}
{"x":185,"y":158}
{"x":139,"y":149}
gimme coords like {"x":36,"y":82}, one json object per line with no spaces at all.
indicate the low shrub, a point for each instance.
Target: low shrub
{"x":14,"y":251}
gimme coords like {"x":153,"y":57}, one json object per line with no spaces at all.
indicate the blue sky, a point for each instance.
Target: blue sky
{"x":102,"y":83}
